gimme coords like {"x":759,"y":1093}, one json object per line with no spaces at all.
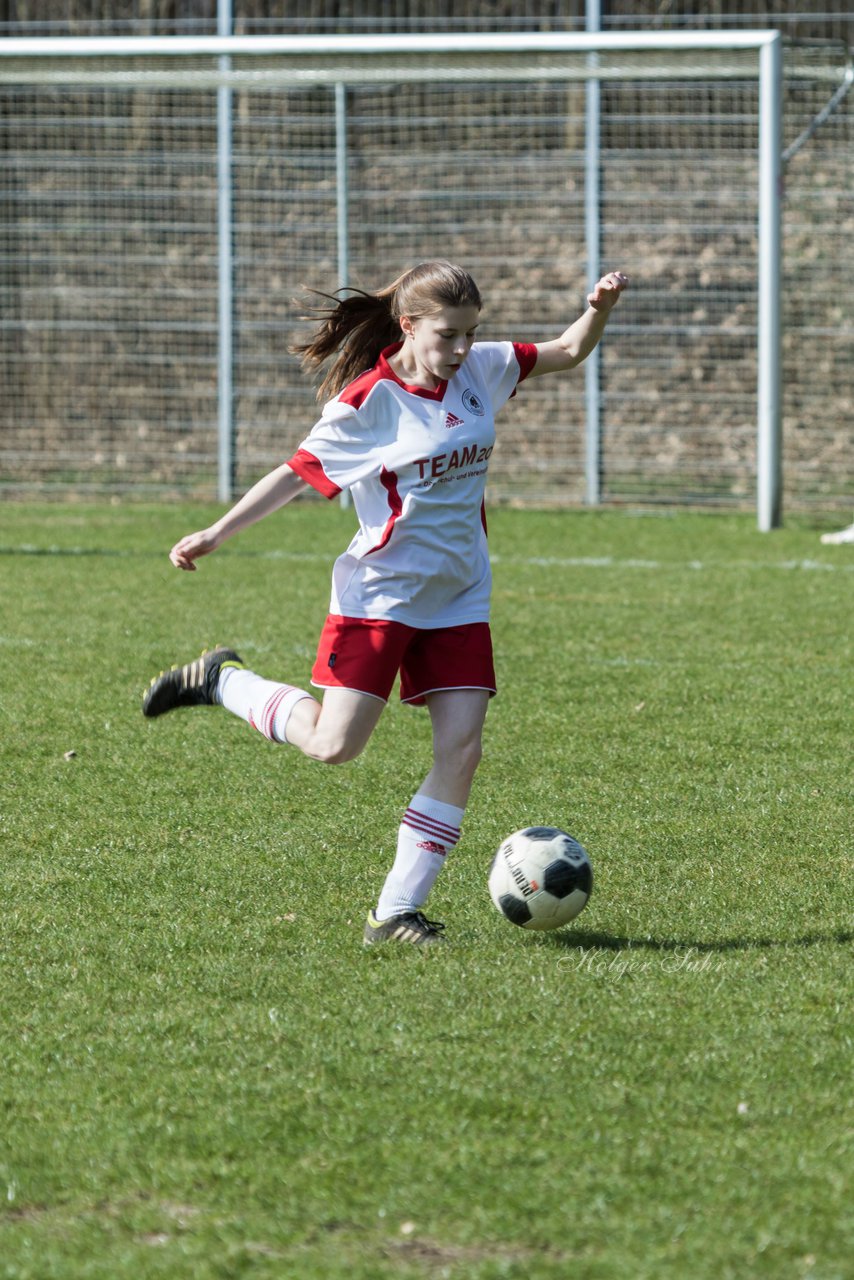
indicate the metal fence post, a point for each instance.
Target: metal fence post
{"x":341,"y":186}
{"x":769,"y":469}
{"x":225,"y":267}
{"x":342,"y":204}
{"x":592,"y":235}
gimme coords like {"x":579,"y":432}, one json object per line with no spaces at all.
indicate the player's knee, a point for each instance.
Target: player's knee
{"x":333,"y":750}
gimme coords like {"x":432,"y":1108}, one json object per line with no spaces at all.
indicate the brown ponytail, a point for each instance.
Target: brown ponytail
{"x":358,"y":327}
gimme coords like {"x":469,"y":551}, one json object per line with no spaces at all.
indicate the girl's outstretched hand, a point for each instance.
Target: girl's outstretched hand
{"x":184,"y":553}
{"x":607,"y":292}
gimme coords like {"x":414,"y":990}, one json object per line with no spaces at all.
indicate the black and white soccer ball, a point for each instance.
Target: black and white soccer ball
{"x":540,"y":878}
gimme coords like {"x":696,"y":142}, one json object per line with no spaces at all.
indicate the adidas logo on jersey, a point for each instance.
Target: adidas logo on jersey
{"x":453,"y":421}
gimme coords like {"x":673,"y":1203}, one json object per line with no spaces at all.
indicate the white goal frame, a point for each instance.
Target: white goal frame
{"x":206,"y":62}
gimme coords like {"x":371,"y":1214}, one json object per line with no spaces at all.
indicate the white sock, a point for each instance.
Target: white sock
{"x":263,"y":703}
{"x":429,"y":830}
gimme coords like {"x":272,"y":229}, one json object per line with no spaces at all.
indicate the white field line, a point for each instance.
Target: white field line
{"x":533,"y":562}
{"x":614,"y":562}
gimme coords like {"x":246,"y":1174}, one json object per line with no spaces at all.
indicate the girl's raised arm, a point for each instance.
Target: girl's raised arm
{"x":576,"y":342}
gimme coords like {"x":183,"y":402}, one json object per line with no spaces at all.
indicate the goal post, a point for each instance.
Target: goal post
{"x":265,"y":64}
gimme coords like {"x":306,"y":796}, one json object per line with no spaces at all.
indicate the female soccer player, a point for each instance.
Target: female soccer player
{"x":411,"y":439}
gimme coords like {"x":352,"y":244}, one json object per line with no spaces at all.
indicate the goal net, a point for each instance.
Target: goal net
{"x":164,"y":201}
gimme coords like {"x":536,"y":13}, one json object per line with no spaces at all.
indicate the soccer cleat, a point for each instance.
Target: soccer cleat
{"x":410,"y":926}
{"x":193,"y":685}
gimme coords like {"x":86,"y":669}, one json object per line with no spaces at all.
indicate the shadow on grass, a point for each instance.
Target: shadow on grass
{"x":578,"y":940}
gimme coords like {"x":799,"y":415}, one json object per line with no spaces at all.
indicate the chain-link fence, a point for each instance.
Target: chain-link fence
{"x":795,"y":19}
{"x":108,"y":261}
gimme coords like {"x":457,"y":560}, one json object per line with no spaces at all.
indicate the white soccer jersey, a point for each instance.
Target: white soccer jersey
{"x":415,"y":463}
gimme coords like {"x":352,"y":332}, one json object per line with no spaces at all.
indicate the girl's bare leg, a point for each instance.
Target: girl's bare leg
{"x":337,"y":729}
{"x":431,"y":825}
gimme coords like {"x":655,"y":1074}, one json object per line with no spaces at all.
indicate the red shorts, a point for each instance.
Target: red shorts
{"x":365,"y":654}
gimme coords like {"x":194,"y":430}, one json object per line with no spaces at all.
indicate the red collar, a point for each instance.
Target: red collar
{"x":386,"y":371}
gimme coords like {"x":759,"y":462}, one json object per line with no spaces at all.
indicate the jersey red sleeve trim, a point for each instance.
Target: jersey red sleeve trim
{"x":526,"y":357}
{"x":311,"y":470}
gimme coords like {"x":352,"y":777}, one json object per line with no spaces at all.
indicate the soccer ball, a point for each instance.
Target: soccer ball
{"x":540,"y":878}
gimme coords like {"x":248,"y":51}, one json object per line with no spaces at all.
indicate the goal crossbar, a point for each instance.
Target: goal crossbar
{"x":262,"y":62}
{"x":355,"y":45}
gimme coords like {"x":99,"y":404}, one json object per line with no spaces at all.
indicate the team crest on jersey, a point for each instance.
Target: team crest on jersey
{"x":472,"y":403}
{"x":453,"y":421}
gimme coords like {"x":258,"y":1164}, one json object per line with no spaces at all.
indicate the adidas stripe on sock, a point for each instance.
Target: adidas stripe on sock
{"x":264,"y":704}
{"x":429,"y":830}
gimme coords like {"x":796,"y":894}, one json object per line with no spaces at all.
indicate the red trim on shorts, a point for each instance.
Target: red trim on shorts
{"x":311,"y":470}
{"x":419,"y":699}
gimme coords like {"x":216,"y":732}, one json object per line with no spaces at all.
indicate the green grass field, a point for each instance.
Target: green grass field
{"x":203,"y":1075}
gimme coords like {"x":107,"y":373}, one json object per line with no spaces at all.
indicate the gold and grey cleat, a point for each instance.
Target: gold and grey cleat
{"x":410,"y":926}
{"x":193,"y":685}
